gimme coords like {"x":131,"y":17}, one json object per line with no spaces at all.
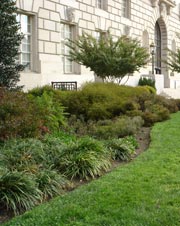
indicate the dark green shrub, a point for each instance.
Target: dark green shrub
{"x":177,"y":103}
{"x":50,"y":114}
{"x":38,"y":91}
{"x":146,"y":82}
{"x":142,"y":100}
{"x":170,"y":104}
{"x":123,"y":148}
{"x":99,"y":101}
{"x":83,"y":159}
{"x":120,"y":127}
{"x":18,"y":191}
{"x":161,"y":112}
{"x":98,"y":111}
{"x":155,"y":113}
{"x":149,"y":118}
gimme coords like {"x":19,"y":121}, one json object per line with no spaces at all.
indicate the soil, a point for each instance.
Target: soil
{"x":143,"y":138}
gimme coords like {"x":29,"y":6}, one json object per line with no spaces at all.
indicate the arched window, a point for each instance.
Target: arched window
{"x":158,"y":49}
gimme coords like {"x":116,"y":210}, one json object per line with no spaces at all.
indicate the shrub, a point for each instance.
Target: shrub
{"x":17,"y":116}
{"x":120,"y":127}
{"x":18,"y":191}
{"x":23,"y":115}
{"x":146,"y":82}
{"x":50,"y":114}
{"x":150,"y":89}
{"x":99,"y":101}
{"x":123,"y":148}
{"x":39,"y":91}
{"x":177,"y":103}
{"x":83,"y":159}
{"x":155,"y":113}
{"x":170,"y":104}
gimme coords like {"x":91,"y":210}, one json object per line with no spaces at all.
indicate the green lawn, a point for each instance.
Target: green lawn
{"x":145,"y":192}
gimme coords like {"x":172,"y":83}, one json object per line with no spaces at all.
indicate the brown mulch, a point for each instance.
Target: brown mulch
{"x":143,"y":138}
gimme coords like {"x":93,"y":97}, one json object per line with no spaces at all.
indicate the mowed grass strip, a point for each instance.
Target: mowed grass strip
{"x":144,"y":192}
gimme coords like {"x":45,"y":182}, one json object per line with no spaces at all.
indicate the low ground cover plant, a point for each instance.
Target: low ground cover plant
{"x":144,"y":192}
{"x":86,"y":158}
{"x":123,"y":148}
{"x":46,"y":167}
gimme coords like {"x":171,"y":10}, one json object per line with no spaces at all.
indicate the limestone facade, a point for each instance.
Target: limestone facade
{"x":156,"y":21}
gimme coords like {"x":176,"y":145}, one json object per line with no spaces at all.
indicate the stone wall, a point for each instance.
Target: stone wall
{"x":48,"y":14}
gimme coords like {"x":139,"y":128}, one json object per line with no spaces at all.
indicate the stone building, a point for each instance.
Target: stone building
{"x":47,"y":23}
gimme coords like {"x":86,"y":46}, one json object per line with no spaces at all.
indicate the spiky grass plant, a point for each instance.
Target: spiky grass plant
{"x":122,"y":148}
{"x":24,"y":155}
{"x":50,"y":183}
{"x":18,"y":191}
{"x":85,"y":158}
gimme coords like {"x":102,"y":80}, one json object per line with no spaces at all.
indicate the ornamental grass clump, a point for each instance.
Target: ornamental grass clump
{"x":25,"y":155}
{"x":123,"y":148}
{"x":27,"y":176}
{"x":18,"y":191}
{"x":50,"y":183}
{"x":86,"y":158}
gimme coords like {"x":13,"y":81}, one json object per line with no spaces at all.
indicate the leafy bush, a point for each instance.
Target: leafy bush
{"x":146,"y":82}
{"x":170,"y":104}
{"x":177,"y":103}
{"x":23,"y":115}
{"x":49,"y":113}
{"x":150,"y":89}
{"x":17,"y":116}
{"x":39,"y":91}
{"x":18,"y":191}
{"x":155,"y":113}
{"x":100,"y":101}
{"x":120,"y":127}
{"x":123,"y":148}
{"x":83,"y":159}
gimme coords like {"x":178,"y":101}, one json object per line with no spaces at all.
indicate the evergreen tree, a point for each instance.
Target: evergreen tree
{"x":109,"y":58}
{"x":10,"y":40}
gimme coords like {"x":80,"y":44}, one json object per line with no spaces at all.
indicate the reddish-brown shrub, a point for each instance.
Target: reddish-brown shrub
{"x":17,"y":116}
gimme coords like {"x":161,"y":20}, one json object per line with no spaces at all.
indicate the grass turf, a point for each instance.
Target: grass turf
{"x":145,"y":192}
